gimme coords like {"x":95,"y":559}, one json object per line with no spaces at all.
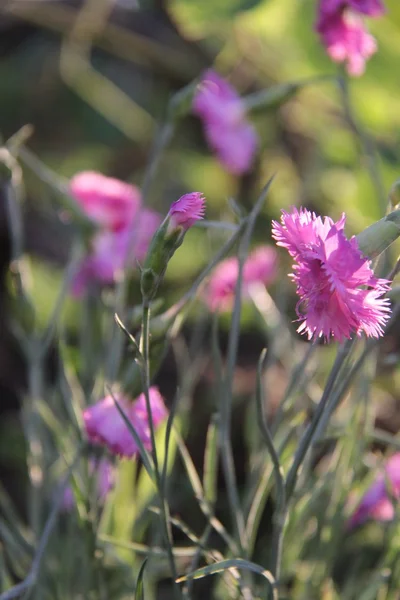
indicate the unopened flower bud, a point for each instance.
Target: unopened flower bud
{"x":186,"y":211}
{"x":182,"y":215}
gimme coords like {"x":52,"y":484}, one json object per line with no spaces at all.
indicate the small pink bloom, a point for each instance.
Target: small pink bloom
{"x":108,"y":201}
{"x":346,"y":40}
{"x":227,"y":129}
{"x":113,"y":251}
{"x":344,"y":34}
{"x":105,"y":425}
{"x":376,"y":504}
{"x":339,"y":294}
{"x":102,"y":472}
{"x":260,"y":267}
{"x":187,"y":210}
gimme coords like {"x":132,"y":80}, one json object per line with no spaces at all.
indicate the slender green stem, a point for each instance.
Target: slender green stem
{"x":160,"y":481}
{"x":340,"y":392}
{"x":145,"y":343}
{"x":227,"y":392}
{"x":280,"y":511}
{"x":162,"y":140}
{"x":309,"y":434}
{"x":295,"y":384}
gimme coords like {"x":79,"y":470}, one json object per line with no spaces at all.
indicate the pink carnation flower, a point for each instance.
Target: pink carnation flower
{"x":105,"y":425}
{"x":344,"y":34}
{"x":108,"y":201}
{"x":113,"y":251}
{"x":226,"y":127}
{"x":102,"y":472}
{"x":377,"y":503}
{"x":260,"y":267}
{"x":339,"y":294}
{"x":187,"y":210}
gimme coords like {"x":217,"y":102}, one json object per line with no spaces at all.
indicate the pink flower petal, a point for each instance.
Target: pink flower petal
{"x":187,"y":210}
{"x":339,"y":293}
{"x":108,"y":201}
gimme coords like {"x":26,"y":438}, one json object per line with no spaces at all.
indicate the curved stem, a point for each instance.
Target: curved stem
{"x":160,"y":481}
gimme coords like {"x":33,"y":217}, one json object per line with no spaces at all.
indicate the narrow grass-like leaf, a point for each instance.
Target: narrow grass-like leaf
{"x":210,"y":470}
{"x":143,"y":550}
{"x":139,"y":589}
{"x":199,"y":494}
{"x":225,"y":442}
{"x":230,"y":563}
{"x":260,"y":495}
{"x":144,"y":455}
{"x":168,"y":431}
{"x":308,"y":436}
{"x":130,"y":337}
{"x":280,"y":500}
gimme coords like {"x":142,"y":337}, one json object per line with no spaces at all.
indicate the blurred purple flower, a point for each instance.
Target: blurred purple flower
{"x":109,"y":202}
{"x":339,"y":294}
{"x":105,"y":425}
{"x":102,"y":472}
{"x":260,"y":267}
{"x":113,"y":251}
{"x":344,"y":34}
{"x":226,"y":127}
{"x":187,"y":210}
{"x":376,"y":503}
{"x":126,"y":228}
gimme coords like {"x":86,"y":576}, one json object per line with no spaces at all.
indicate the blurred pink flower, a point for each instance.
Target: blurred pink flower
{"x":371,"y":8}
{"x":347,"y":40}
{"x":187,"y":210}
{"x":260,"y":267}
{"x":344,"y":33}
{"x":105,"y":425}
{"x":339,"y":294}
{"x":109,"y":202}
{"x":113,"y":251}
{"x":227,"y":129}
{"x":102,"y":471}
{"x":376,"y":503}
